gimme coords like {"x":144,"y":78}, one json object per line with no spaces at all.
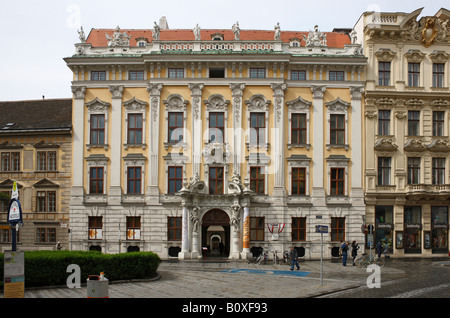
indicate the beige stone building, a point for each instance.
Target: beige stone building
{"x":407,"y":147}
{"x":36,"y":151}
{"x":192,"y":139}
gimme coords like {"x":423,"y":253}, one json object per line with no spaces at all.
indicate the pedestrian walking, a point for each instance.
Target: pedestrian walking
{"x":344,"y":248}
{"x":293,"y":254}
{"x":355,"y":248}
{"x":379,"y":248}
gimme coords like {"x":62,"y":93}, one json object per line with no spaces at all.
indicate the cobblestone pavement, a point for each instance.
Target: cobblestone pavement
{"x":230,"y":279}
{"x":421,"y":279}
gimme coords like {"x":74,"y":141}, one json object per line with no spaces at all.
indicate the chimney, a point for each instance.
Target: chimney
{"x":163,"y":23}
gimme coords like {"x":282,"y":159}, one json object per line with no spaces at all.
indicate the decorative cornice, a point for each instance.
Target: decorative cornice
{"x":385,"y":55}
{"x":414,"y":145}
{"x":175,"y":102}
{"x":216,"y":102}
{"x":385,"y":144}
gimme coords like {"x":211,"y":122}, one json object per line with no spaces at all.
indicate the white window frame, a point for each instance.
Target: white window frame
{"x":337,"y":107}
{"x":175,"y":103}
{"x":216,"y":103}
{"x":97,"y":161}
{"x":337,"y":162}
{"x":97,"y":107}
{"x":173,"y":160}
{"x":298,"y":161}
{"x":135,"y":106}
{"x":259,"y":160}
{"x":298,"y":106}
{"x":134,"y":160}
{"x":258,"y":103}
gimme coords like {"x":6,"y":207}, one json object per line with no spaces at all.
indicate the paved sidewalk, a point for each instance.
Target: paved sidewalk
{"x":232,"y":279}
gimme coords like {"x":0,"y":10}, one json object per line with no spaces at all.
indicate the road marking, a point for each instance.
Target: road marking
{"x":415,"y":293}
{"x":266,"y":272}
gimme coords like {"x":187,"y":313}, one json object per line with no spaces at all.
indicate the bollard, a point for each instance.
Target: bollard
{"x":97,"y":286}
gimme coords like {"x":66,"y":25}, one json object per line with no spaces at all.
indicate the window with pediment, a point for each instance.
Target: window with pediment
{"x":257,"y":121}
{"x":216,"y":117}
{"x":135,"y":114}
{"x":175,"y":118}
{"x":98,"y":123}
{"x":298,"y":122}
{"x":337,"y":117}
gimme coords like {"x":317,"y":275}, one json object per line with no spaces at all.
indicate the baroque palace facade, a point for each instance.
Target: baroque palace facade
{"x":407,"y":148}
{"x":192,"y":139}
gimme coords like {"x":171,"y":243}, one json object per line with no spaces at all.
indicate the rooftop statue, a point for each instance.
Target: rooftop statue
{"x":81,"y":35}
{"x":236,"y":31}
{"x":277,"y":35}
{"x":118,"y":39}
{"x":156,"y":32}
{"x":316,"y":38}
{"x":197,"y":33}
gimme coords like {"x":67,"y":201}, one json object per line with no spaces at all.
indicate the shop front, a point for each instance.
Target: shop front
{"x":437,"y":240}
{"x":412,"y":230}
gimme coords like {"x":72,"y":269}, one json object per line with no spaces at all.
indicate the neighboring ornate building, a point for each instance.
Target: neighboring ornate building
{"x":407,"y":147}
{"x":185,"y":139}
{"x":36,"y":151}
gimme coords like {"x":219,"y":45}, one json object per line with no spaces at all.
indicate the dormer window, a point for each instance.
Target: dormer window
{"x":217,"y":37}
{"x":295,"y":42}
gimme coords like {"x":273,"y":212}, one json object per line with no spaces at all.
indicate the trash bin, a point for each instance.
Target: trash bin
{"x":97,"y":287}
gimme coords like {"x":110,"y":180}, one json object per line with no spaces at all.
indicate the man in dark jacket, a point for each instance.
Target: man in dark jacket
{"x":344,"y":248}
{"x":293,"y":254}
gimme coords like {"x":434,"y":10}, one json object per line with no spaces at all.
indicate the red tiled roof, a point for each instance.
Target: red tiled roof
{"x":97,"y":37}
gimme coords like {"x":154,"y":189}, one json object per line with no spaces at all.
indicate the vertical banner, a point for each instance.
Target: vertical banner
{"x":246,"y":232}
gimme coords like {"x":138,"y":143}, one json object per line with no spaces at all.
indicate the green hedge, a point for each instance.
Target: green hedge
{"x":49,"y":268}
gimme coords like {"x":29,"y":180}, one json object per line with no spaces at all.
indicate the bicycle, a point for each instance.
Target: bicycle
{"x":367,"y":260}
{"x":262,"y":258}
{"x":286,"y":258}
{"x":386,"y":252}
{"x":275,"y":257}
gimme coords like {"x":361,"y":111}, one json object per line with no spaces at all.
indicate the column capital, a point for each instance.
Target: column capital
{"x":356,"y":92}
{"x":78,"y":92}
{"x":237,"y":89}
{"x":278,"y":89}
{"x":116,"y":91}
{"x":155,"y":89}
{"x":196,"y":89}
{"x":318,"y":90}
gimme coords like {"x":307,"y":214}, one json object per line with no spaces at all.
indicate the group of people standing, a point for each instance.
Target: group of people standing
{"x":344,"y":252}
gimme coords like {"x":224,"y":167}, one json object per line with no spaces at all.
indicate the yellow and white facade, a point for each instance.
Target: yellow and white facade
{"x":185,"y":140}
{"x":407,"y":129}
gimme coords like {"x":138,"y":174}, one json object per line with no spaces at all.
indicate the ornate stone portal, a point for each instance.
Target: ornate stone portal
{"x":201,"y":208}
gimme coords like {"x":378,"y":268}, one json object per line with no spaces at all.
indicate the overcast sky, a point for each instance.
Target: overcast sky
{"x":37,"y":35}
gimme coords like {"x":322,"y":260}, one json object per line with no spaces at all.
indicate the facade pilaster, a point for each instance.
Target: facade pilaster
{"x":318,"y":142}
{"x":155,"y":102}
{"x":357,"y":140}
{"x":115,"y":190}
{"x":237,"y":91}
{"x":278,"y":138}
{"x":196,"y":98}
{"x":78,"y":145}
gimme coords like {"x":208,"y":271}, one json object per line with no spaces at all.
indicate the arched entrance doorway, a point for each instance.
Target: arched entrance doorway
{"x":216,"y":233}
